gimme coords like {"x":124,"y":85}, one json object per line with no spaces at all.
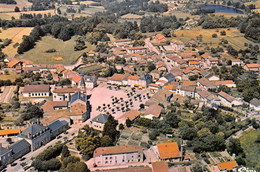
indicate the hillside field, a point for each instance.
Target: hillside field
{"x":10,"y":7}
{"x":16,"y":34}
{"x":63,"y":49}
{"x":235,"y":38}
{"x":9,"y":15}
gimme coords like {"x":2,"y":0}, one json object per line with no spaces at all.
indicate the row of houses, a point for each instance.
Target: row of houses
{"x":31,"y":139}
{"x":165,"y":152}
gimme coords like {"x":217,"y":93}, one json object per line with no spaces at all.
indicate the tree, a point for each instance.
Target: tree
{"x":214,"y":35}
{"x":106,"y":141}
{"x":121,"y":126}
{"x":141,"y":106}
{"x":172,"y":119}
{"x":188,"y":133}
{"x":151,"y":66}
{"x":80,"y":44}
{"x":110,"y":128}
{"x":128,"y":122}
{"x":153,"y":134}
{"x":204,"y":132}
{"x":234,"y":147}
{"x":16,"y":9}
{"x":65,"y":152}
{"x":76,"y":167}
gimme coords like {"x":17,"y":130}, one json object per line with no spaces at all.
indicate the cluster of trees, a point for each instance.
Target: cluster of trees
{"x":30,"y":112}
{"x":80,"y":44}
{"x":5,"y":43}
{"x":40,"y":5}
{"x":231,"y":73}
{"x":31,"y":16}
{"x":208,"y":130}
{"x":88,"y":139}
{"x":70,"y":10}
{"x":212,"y":22}
{"x":47,"y":160}
{"x":249,"y":87}
{"x":250,"y":27}
{"x":8,"y":2}
{"x":135,"y":7}
{"x":155,"y":24}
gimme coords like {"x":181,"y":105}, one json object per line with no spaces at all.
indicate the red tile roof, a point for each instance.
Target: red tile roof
{"x":66,"y":90}
{"x":76,"y":78}
{"x":8,"y":132}
{"x":36,"y":88}
{"x":227,"y":165}
{"x":169,"y":150}
{"x":13,"y":63}
{"x":154,"y":110}
{"x":160,"y":166}
{"x":119,"y":77}
{"x":133,"y":77}
{"x":253,"y":65}
{"x":117,"y":150}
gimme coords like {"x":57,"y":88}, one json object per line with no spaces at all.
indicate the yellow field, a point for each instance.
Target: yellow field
{"x":63,"y":49}
{"x":257,"y":3}
{"x":10,"y":7}
{"x":16,"y":34}
{"x":232,"y":35}
{"x":228,"y":15}
{"x":8,"y":15}
{"x":132,"y":16}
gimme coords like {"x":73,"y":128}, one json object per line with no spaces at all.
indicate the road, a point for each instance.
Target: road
{"x":7,"y":94}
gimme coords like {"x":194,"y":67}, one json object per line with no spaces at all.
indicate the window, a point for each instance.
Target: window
{"x":45,"y":94}
{"x":123,"y":160}
{"x":66,"y":96}
{"x":54,"y":96}
{"x":106,"y":157}
{"x":111,"y":157}
{"x":106,"y":162}
{"x":139,"y":156}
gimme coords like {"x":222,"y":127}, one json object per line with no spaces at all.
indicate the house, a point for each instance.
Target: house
{"x":122,"y":42}
{"x":153,"y":111}
{"x":228,"y":100}
{"x":154,"y":87}
{"x":132,"y":50}
{"x":206,"y":84}
{"x":194,"y":63}
{"x":75,"y":80}
{"x":118,"y":155}
{"x":187,"y":55}
{"x":160,"y":166}
{"x":57,"y":127}
{"x":78,"y":102}
{"x":228,"y":83}
{"x":212,"y":77}
{"x":119,"y":79}
{"x":212,"y":61}
{"x":227,"y":166}
{"x":5,"y":155}
{"x":156,"y":74}
{"x":99,"y":121}
{"x":172,"y":86}
{"x":14,"y":63}
{"x":64,"y":94}
{"x":27,"y":63}
{"x":20,"y":148}
{"x":37,"y":135}
{"x":255,"y":104}
{"x":89,"y":81}
{"x":177,"y":45}
{"x":208,"y":98}
{"x":236,"y":62}
{"x":168,"y":151}
{"x":252,"y":67}
{"x":50,"y":106}
{"x":68,"y":74}
{"x":175,"y":60}
{"x":162,"y":96}
{"x":169,"y":77}
{"x":160,"y":38}
{"x":132,"y":114}
{"x":186,"y":90}
{"x":36,"y":91}
{"x":91,"y":53}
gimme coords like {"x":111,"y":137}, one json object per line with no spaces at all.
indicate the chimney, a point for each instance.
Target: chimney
{"x":28,"y":135}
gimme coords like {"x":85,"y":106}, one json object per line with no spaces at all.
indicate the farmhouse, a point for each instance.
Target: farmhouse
{"x":36,"y":91}
{"x":119,"y":79}
{"x":118,"y":155}
{"x":228,"y":100}
{"x":252,"y":67}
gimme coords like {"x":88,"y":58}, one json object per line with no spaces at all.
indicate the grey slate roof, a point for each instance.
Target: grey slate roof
{"x":78,"y":96}
{"x":101,"y":118}
{"x":170,"y":77}
{"x":3,"y":150}
{"x":89,"y":78}
{"x":33,"y":130}
{"x":255,"y":102}
{"x":19,"y":146}
{"x":57,"y":124}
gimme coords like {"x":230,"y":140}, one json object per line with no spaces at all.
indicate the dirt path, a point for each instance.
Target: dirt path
{"x":7,"y":94}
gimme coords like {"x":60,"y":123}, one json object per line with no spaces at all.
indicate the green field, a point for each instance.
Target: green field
{"x":251,"y":148}
{"x":63,"y":49}
{"x":91,"y":69}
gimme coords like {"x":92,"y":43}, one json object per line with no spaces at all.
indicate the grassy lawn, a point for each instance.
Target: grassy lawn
{"x":12,"y":76}
{"x":16,"y":34}
{"x":251,"y":148}
{"x":63,"y":49}
{"x":91,"y":69}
